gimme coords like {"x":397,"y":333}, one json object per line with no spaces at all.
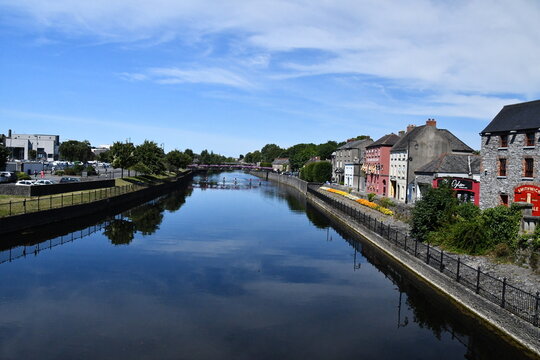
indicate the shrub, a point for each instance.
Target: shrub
{"x":501,"y":225}
{"x":22,"y":176}
{"x":321,"y":171}
{"x":90,"y":171}
{"x":501,"y":250}
{"x":371,"y":196}
{"x":386,"y":202}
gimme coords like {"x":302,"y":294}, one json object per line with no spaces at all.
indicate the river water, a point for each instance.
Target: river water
{"x":229,"y":267}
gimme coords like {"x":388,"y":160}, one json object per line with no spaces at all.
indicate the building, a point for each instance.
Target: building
{"x":280,"y":164}
{"x":20,"y":145}
{"x":418,"y":146}
{"x":100,"y":149}
{"x":376,"y":165}
{"x":462,"y":171}
{"x":510,"y":157}
{"x":352,"y":155}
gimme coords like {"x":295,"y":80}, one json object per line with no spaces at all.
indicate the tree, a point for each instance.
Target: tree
{"x":32,"y":154}
{"x":150,"y":155}
{"x":4,"y":153}
{"x":105,"y":156}
{"x":322,"y":171}
{"x":269,"y":152}
{"x":189,"y":152}
{"x":74,"y":150}
{"x":324,"y":151}
{"x":177,"y":160}
{"x":122,"y":155}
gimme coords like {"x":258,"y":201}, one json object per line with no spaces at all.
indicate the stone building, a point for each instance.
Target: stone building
{"x":351,"y":154}
{"x":376,"y":165}
{"x":280,"y":164}
{"x":511,"y":156}
{"x":20,"y":145}
{"x":418,"y":146}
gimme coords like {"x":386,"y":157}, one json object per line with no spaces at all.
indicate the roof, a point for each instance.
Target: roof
{"x":386,"y":140}
{"x":520,"y":116}
{"x":452,"y":163}
{"x":280,"y":161}
{"x":356,"y":144}
{"x":455,"y":143}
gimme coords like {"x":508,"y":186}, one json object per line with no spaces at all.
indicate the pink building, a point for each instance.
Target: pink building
{"x":376,"y":165}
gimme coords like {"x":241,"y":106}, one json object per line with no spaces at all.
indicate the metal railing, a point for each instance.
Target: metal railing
{"x":18,"y":252}
{"x":517,"y":301}
{"x":40,"y":203}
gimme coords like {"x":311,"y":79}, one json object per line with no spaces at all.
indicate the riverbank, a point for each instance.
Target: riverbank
{"x":97,"y":204}
{"x":492,"y":315}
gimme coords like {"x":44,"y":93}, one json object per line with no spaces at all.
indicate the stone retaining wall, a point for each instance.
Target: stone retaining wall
{"x":41,"y":190}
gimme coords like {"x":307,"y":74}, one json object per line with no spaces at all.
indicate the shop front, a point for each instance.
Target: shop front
{"x":467,"y":190}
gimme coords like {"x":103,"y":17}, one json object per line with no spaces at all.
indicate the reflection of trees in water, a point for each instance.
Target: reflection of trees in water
{"x":145,"y":218}
{"x":120,"y":231}
{"x":316,"y":217}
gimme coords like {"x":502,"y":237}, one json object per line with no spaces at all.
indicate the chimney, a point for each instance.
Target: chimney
{"x":350,"y":140}
{"x":431,"y":122}
{"x":401,"y":133}
{"x":410,"y":127}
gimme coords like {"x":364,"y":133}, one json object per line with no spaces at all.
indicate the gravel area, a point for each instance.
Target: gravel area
{"x":522,"y":277}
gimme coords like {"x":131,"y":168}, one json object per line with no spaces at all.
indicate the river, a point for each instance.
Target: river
{"x":229,"y":267}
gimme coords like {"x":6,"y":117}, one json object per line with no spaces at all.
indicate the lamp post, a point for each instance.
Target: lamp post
{"x":409,"y":159}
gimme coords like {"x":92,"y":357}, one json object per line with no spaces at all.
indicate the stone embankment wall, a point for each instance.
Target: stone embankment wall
{"x":20,"y":222}
{"x":41,"y":190}
{"x":292,"y":181}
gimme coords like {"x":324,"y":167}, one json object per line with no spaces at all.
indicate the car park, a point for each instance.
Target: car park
{"x":67,"y":179}
{"x":44,"y":182}
{"x":25,"y":183}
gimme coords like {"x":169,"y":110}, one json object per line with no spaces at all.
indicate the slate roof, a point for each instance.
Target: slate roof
{"x":386,"y":140}
{"x":451,"y":163}
{"x":355,"y":144}
{"x":520,"y":116}
{"x":455,"y":143}
{"x":280,"y":161}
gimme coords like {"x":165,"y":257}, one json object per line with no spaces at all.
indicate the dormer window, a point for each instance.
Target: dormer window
{"x":529,"y":139}
{"x":504,"y":141}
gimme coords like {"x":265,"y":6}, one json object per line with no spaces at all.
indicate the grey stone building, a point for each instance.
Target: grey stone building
{"x":20,"y":145}
{"x":352,"y":154}
{"x":419,"y":145}
{"x":511,"y":156}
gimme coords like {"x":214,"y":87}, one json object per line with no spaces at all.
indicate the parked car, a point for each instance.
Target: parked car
{"x":67,"y":179}
{"x":7,"y":176}
{"x":25,"y":182}
{"x":44,"y":182}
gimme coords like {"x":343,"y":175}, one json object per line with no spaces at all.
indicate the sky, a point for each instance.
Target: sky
{"x":232,"y":76}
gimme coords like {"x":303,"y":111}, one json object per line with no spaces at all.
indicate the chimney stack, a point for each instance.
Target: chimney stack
{"x":431,"y":122}
{"x":401,"y":133}
{"x":410,"y":127}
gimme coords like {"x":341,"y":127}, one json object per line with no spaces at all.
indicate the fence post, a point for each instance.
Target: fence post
{"x":38,"y":203}
{"x":50,"y":201}
{"x":535,"y":321}
{"x":457,"y":271}
{"x":24,"y":205}
{"x":72,"y":198}
{"x":62,"y":200}
{"x":427,"y":255}
{"x":503,"y":293}
{"x":478,"y":280}
{"x":404,"y":245}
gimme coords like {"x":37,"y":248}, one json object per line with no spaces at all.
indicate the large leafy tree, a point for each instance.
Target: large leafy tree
{"x":269,"y":152}
{"x":324,"y":151}
{"x":74,"y":150}
{"x":122,"y":155}
{"x":177,"y":160}
{"x":151,"y":156}
{"x":4,"y":153}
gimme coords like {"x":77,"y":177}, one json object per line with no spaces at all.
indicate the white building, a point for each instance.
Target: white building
{"x":20,"y":145}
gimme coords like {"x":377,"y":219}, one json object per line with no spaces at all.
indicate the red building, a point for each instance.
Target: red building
{"x":376,"y":165}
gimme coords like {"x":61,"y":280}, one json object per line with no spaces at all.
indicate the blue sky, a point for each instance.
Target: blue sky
{"x":233,"y":76}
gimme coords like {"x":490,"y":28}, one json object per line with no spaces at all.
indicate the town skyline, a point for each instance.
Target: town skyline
{"x":234,"y":78}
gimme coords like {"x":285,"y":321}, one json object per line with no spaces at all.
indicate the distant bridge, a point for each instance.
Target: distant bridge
{"x":228,"y":167}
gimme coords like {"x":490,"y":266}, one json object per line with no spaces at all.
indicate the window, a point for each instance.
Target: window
{"x":528,"y":168}
{"x":529,"y":139}
{"x":502,"y":167}
{"x":504,"y":199}
{"x":504,"y":140}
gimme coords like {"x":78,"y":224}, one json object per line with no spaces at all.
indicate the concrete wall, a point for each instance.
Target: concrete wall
{"x":41,"y":190}
{"x":292,"y":181}
{"x":25,"y":221}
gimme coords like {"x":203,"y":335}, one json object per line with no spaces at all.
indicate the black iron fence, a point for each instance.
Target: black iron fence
{"x":40,"y":203}
{"x":22,"y":251}
{"x":499,"y":291}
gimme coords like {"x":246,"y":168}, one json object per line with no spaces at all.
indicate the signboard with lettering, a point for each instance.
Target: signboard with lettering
{"x":457,"y":183}
{"x":529,"y":194}
{"x":466,"y":189}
